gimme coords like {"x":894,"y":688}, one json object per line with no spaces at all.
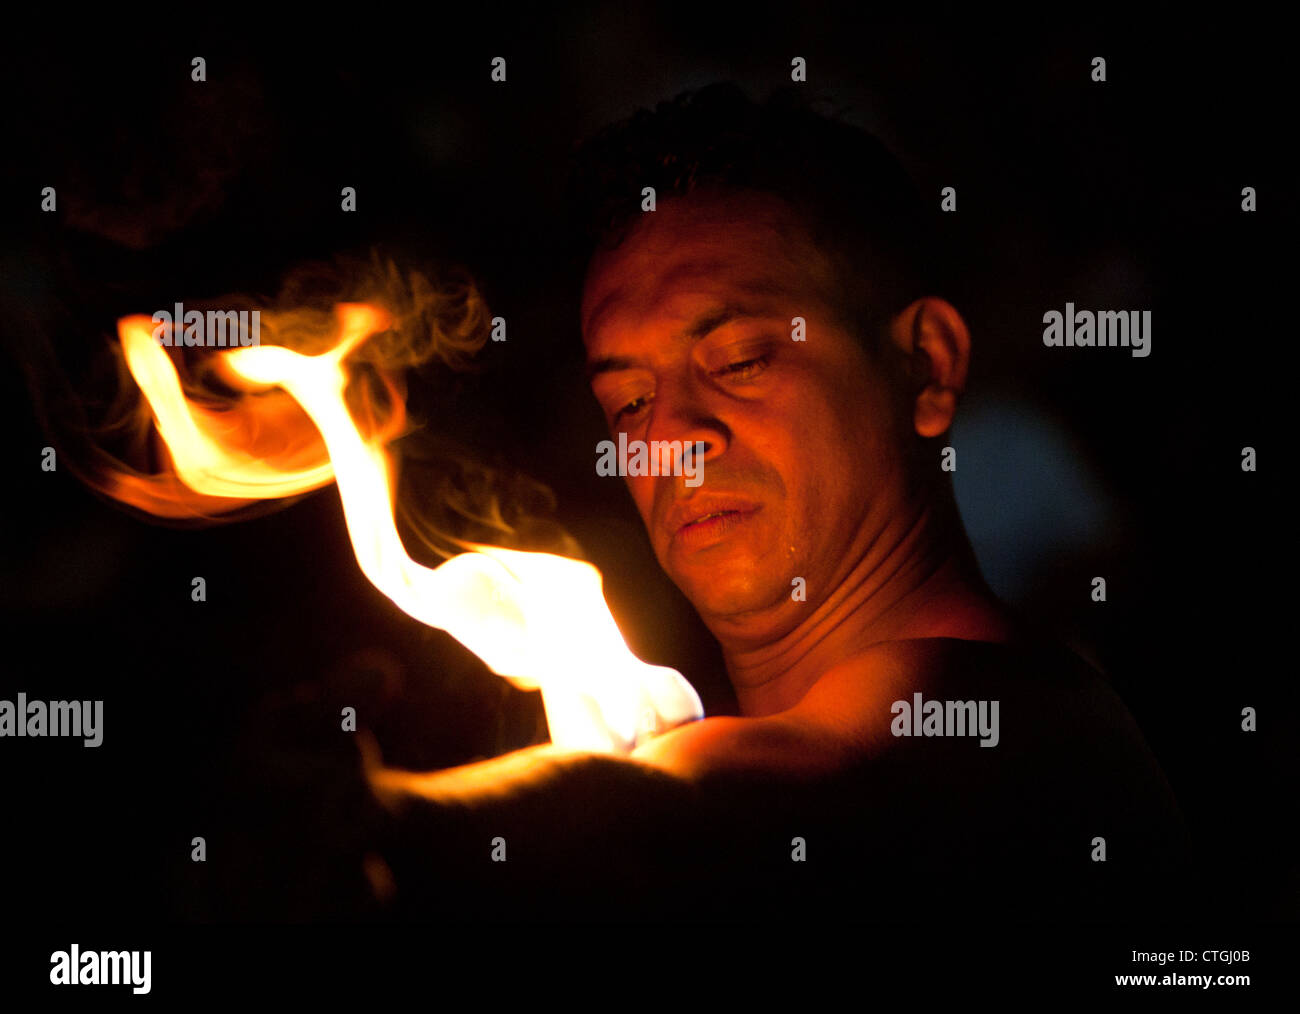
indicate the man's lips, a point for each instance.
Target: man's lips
{"x":692,"y":523}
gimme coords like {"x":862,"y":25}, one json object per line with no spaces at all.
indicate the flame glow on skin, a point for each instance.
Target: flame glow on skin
{"x":537,"y":619}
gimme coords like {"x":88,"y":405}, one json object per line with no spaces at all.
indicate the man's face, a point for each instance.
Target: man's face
{"x":688,"y":328}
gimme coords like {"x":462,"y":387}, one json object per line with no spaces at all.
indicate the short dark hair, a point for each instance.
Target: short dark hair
{"x":852,"y":194}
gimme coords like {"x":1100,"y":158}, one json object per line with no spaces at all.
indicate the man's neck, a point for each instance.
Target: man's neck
{"x":916,"y":578}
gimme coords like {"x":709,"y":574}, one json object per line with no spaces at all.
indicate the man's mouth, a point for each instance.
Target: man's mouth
{"x":703,"y":525}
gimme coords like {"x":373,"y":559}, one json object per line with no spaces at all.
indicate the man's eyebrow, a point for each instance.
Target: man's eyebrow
{"x":701,"y":327}
{"x":608,"y":364}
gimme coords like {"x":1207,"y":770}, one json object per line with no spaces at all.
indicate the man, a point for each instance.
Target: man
{"x":777,"y":309}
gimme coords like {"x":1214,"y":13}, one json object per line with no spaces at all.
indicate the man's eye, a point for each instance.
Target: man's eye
{"x":745,"y":369}
{"x":631,"y":408}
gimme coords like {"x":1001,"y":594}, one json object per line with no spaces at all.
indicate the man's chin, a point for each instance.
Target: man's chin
{"x":737,"y":604}
{"x":724,"y":583}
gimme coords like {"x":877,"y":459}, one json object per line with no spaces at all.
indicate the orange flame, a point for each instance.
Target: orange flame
{"x":537,"y":619}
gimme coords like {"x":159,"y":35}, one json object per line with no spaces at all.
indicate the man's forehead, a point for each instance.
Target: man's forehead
{"x":737,"y":247}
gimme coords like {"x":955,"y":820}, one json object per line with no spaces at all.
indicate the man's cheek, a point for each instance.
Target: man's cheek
{"x":643,"y":495}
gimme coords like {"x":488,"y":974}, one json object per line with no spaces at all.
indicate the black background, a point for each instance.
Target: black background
{"x":221,"y":717}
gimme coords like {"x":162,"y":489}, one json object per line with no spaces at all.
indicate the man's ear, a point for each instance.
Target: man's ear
{"x":936,"y":342}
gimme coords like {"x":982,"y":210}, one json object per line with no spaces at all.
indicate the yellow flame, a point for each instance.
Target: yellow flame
{"x":205,"y":457}
{"x":537,"y":619}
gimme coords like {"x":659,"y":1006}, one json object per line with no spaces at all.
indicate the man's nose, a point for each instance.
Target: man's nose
{"x":681,"y":412}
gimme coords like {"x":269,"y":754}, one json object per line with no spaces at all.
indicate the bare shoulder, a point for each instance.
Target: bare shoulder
{"x":1041,"y":693}
{"x":1012,"y":757}
{"x":863,"y":687}
{"x":1029,"y":720}
{"x":841,"y":722}
{"x":930,"y":704}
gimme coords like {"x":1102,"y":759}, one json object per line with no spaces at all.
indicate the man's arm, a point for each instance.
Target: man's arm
{"x":837,"y":724}
{"x":790,"y":744}
{"x":780,"y":744}
{"x":587,"y":831}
